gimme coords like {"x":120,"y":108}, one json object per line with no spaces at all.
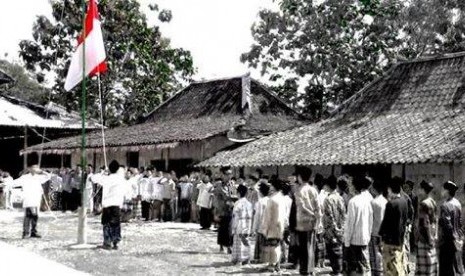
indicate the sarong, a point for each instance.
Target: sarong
{"x":427,"y":262}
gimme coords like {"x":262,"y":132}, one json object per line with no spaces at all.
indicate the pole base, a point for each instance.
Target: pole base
{"x":82,"y":246}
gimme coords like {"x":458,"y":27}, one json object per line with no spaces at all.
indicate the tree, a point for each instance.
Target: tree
{"x":143,"y":68}
{"x":25,"y":87}
{"x":332,"y":49}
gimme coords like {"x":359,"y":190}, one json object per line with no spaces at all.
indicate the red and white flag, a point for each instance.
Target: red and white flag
{"x":94,"y":50}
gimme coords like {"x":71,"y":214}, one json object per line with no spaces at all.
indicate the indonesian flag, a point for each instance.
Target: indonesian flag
{"x":94,"y":50}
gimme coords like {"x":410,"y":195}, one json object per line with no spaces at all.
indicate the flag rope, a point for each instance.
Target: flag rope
{"x":101,"y":121}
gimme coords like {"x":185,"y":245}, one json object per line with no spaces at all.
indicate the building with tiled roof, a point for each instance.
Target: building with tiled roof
{"x":410,"y":122}
{"x":192,"y":125}
{"x":25,"y":123}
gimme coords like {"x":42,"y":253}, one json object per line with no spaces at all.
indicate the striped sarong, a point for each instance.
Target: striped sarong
{"x":240,"y":249}
{"x":427,"y":262}
{"x":376,"y":257}
{"x":393,"y":260}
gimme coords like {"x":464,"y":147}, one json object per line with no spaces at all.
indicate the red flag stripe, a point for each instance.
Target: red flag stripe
{"x":92,"y":13}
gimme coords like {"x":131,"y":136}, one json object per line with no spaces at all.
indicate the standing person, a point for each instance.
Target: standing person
{"x":126,"y":210}
{"x":333,"y":223}
{"x":158,"y":190}
{"x":426,"y":232}
{"x":186,"y":190}
{"x":169,"y":190}
{"x":134,"y":184}
{"x":223,"y":209}
{"x":392,"y":230}
{"x":343,"y":188}
{"x":378,"y":204}
{"x":241,"y":227}
{"x":358,"y":227}
{"x":273,"y":225}
{"x":194,"y":178}
{"x":260,"y":207}
{"x":293,"y":238}
{"x":204,"y":201}
{"x":320,"y":250}
{"x":146,"y":194}
{"x":285,"y":242}
{"x":307,"y":215}
{"x":450,"y":233}
{"x":75,"y":182}
{"x":66,"y":196}
{"x":31,"y":184}
{"x":408,"y":197}
{"x":113,"y":191}
{"x":88,"y":191}
{"x":8,"y":183}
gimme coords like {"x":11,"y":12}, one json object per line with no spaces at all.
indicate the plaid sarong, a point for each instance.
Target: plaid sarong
{"x":240,"y":249}
{"x":137,"y":212}
{"x":427,"y":262}
{"x":393,"y":260}
{"x":376,"y":257}
{"x":320,"y":250}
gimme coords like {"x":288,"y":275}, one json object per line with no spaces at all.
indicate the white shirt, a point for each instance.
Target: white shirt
{"x":260,"y":207}
{"x":145,"y":188}
{"x":379,"y":206}
{"x":158,"y":189}
{"x":205,"y":195}
{"x":359,"y":222}
{"x":321,"y":200}
{"x":32,"y":188}
{"x":113,"y":190}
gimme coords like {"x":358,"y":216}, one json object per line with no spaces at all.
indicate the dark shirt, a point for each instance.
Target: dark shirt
{"x":450,"y":224}
{"x":396,"y":219}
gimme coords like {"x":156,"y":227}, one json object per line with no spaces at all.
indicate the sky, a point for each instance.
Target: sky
{"x":216,"y":32}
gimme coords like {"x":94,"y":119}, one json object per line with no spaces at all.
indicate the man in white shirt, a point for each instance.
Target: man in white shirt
{"x":204,"y":201}
{"x":113,"y":192}
{"x":7,"y":185}
{"x":31,"y":184}
{"x":358,"y":228}
{"x":378,"y":204}
{"x":307,"y":216}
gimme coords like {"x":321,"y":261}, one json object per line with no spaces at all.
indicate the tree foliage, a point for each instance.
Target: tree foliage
{"x":143,"y":68}
{"x":25,"y":87}
{"x":330,"y":49}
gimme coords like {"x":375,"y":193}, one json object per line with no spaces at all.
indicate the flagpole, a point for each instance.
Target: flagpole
{"x":82,"y":222}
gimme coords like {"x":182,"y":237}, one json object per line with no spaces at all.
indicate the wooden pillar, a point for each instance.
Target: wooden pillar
{"x":167,"y":157}
{"x":202,"y":150}
{"x":403,"y":172}
{"x":25,"y":146}
{"x":451,"y":172}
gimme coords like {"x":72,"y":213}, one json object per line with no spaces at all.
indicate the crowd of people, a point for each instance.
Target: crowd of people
{"x":363,"y":227}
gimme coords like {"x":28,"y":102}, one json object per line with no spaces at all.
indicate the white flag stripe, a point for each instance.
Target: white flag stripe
{"x":94,"y":55}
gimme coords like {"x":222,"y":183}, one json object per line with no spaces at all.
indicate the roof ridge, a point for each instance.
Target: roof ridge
{"x":433,"y":57}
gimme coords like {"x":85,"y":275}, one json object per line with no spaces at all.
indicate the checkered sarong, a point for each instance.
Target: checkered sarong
{"x":376,"y":257}
{"x":137,"y":211}
{"x":240,"y":249}
{"x":427,"y":262}
{"x":320,"y":248}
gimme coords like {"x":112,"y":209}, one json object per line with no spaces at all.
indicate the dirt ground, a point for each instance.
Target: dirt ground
{"x":147,"y":248}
